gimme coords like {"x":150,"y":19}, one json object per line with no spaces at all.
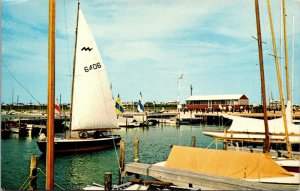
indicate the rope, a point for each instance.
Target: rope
{"x":116,"y":152}
{"x":54,"y":182}
{"x":20,"y":83}
{"x":210,"y":144}
{"x":23,"y":185}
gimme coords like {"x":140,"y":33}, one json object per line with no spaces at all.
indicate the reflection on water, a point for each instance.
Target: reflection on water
{"x":77,"y":170}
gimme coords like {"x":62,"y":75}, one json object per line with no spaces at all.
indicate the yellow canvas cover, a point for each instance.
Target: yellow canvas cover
{"x":225,"y":163}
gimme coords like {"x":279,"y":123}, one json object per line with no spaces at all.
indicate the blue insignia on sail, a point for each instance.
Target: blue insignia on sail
{"x":141,"y":104}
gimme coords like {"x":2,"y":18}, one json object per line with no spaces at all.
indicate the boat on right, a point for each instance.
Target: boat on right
{"x":278,"y":133}
{"x":251,"y":131}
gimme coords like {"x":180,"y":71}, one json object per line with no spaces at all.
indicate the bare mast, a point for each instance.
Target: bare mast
{"x":51,"y":94}
{"x":286,"y":54}
{"x":73,"y":75}
{"x":293,"y":61}
{"x":288,"y":144}
{"x":262,"y":77}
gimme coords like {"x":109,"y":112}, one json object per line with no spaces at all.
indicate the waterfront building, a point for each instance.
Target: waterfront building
{"x":217,"y":102}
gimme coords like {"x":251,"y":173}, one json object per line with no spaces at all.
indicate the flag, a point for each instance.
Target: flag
{"x":56,"y":108}
{"x":141,"y":104}
{"x":119,"y":106}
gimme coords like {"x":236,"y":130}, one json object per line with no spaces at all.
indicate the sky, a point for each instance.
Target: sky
{"x":147,"y":45}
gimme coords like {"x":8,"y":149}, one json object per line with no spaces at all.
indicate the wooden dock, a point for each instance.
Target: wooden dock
{"x":198,"y":180}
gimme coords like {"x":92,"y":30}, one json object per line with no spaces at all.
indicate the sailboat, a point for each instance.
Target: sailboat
{"x":250,"y":130}
{"x":92,"y":116}
{"x":282,"y":130}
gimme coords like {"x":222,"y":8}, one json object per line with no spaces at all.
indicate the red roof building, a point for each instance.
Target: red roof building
{"x":217,"y":102}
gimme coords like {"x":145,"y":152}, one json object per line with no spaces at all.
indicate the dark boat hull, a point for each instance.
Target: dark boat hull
{"x":80,"y":145}
{"x":5,"y":133}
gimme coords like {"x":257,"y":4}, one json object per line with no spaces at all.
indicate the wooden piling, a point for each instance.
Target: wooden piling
{"x":193,"y":141}
{"x":33,"y":173}
{"x":136,"y":153}
{"x":122,"y":161}
{"x":136,"y":149}
{"x":107,"y":181}
{"x":225,"y":140}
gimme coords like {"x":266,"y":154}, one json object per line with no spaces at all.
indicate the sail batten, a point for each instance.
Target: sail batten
{"x":93,"y":105}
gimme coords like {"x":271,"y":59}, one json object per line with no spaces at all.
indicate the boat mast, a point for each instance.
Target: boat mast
{"x":280,"y":42}
{"x":262,"y":78}
{"x":51,"y":94}
{"x":74,"y":64}
{"x":293,"y":61}
{"x":287,"y":75}
{"x":288,"y":145}
{"x":286,"y":54}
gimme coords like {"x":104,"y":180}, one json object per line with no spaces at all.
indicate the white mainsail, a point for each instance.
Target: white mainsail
{"x":93,"y":106}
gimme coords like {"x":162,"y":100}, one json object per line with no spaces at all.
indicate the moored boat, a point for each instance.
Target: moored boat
{"x":81,"y":144}
{"x":93,"y":116}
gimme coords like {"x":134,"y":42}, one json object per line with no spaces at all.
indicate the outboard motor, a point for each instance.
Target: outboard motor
{"x":42,"y":137}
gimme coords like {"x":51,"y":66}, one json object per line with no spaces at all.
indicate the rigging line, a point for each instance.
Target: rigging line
{"x":54,"y":182}
{"x":20,"y":83}
{"x":116,"y":151}
{"x":23,"y":185}
{"x":211,"y":143}
{"x":67,"y":37}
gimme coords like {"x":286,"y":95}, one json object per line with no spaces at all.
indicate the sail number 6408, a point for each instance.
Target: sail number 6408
{"x":92,"y":67}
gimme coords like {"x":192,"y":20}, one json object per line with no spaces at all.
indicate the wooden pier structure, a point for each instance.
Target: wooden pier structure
{"x":189,"y":179}
{"x":199,"y":180}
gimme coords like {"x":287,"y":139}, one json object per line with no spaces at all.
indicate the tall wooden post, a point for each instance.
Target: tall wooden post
{"x":225,"y":140}
{"x":51,"y":94}
{"x":136,"y":149}
{"x":193,"y":141}
{"x":33,"y":173}
{"x":288,"y":144}
{"x":122,"y":161}
{"x":262,"y":78}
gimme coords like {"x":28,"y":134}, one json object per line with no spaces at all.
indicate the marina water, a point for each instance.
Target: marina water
{"x":75,"y":171}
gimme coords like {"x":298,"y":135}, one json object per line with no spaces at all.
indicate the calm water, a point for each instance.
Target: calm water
{"x":78,"y":170}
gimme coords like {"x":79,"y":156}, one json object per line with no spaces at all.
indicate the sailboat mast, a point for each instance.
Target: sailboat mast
{"x":262,"y":78}
{"x":74,"y":63}
{"x":293,"y":61}
{"x":288,"y":144}
{"x":281,"y":37}
{"x":286,"y":54}
{"x":51,"y":94}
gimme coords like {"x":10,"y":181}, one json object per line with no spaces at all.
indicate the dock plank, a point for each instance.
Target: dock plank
{"x":189,"y":178}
